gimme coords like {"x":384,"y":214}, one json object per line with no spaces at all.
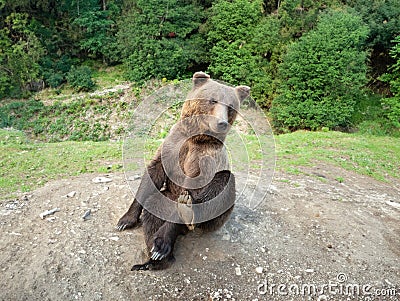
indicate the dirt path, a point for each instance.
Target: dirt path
{"x":311,"y":232}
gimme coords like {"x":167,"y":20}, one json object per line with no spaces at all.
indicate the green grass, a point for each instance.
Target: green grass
{"x":108,"y":77}
{"x":25,"y":165}
{"x":375,"y":156}
{"x":68,"y":120}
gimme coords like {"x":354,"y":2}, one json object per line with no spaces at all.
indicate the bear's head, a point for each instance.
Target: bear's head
{"x":216,"y":105}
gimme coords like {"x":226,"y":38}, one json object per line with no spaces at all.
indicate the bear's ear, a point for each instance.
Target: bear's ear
{"x":242,"y":92}
{"x":200,"y":78}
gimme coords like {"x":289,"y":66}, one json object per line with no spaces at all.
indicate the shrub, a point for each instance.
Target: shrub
{"x":54,"y":80}
{"x":322,"y":75}
{"x":233,"y":33}
{"x":80,"y":78}
{"x":159,"y":38}
{"x":391,"y":105}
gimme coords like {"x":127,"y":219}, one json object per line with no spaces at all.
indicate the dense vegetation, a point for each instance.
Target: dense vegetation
{"x":313,"y":64}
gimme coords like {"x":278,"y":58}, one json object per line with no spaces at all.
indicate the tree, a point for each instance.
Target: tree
{"x":159,"y":38}
{"x":322,"y":74}
{"x":232,"y":37}
{"x":20,"y":53}
{"x":391,"y":105}
{"x":382,"y":18}
{"x":95,"y":22}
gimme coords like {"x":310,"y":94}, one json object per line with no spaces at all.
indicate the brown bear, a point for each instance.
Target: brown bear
{"x":188,"y":183}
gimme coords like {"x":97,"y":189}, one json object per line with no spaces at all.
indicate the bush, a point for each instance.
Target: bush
{"x":322,"y":75}
{"x":80,"y":78}
{"x":233,"y":35}
{"x":55,"y":80}
{"x":158,"y":39}
{"x":55,"y":69}
{"x":391,"y":105}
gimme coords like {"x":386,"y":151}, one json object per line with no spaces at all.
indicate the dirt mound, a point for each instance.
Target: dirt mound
{"x":311,"y":232}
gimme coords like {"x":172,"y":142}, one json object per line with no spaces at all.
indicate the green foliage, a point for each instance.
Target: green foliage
{"x":80,"y":78}
{"x":299,"y":16}
{"x":268,"y":46}
{"x":159,"y":39}
{"x":20,"y":53}
{"x":391,"y":105}
{"x":96,"y":24}
{"x":382,"y":18}
{"x":233,"y":34}
{"x":65,"y":121}
{"x":55,"y":70}
{"x":322,"y":75}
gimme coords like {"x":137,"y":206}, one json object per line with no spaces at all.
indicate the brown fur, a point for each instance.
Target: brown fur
{"x":207,"y":114}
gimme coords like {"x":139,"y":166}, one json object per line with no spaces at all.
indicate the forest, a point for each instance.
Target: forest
{"x":311,"y":64}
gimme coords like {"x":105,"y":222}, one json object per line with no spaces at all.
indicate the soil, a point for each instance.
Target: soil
{"x":319,"y":235}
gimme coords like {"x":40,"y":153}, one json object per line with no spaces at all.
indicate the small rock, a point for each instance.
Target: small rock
{"x":309,"y":270}
{"x":15,"y":233}
{"x":71,"y":194}
{"x":101,"y":180}
{"x":134,"y":178}
{"x":393,"y":204}
{"x":329,"y":246}
{"x":114,"y":238}
{"x":259,"y":270}
{"x":226,"y":237}
{"x":86,"y":215}
{"x":48,"y":212}
{"x":238,"y":271}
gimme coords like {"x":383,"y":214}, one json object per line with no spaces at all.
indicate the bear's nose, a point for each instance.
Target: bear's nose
{"x":222,"y":125}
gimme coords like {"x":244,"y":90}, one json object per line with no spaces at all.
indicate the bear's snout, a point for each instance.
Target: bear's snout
{"x":220,"y":118}
{"x":222,"y":125}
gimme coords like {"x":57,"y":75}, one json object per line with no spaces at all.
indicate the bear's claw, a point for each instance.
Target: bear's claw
{"x":121,"y":227}
{"x":160,"y":249}
{"x":126,"y":222}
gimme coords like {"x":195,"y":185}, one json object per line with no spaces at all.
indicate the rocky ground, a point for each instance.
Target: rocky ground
{"x":313,"y":238}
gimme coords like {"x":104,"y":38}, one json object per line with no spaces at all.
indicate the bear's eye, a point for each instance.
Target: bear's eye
{"x":213,"y":101}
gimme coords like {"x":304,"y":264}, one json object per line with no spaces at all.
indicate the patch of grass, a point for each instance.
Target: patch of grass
{"x":81,"y":119}
{"x":25,"y":166}
{"x":108,"y":77}
{"x":369,"y":117}
{"x":340,"y":179}
{"x":375,"y":156}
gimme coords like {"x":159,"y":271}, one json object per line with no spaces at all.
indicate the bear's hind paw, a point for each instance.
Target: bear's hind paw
{"x":154,"y":264}
{"x":160,"y":249}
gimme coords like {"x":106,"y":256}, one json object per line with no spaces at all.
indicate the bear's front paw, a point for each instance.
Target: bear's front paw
{"x":161,"y":249}
{"x":127,"y":222}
